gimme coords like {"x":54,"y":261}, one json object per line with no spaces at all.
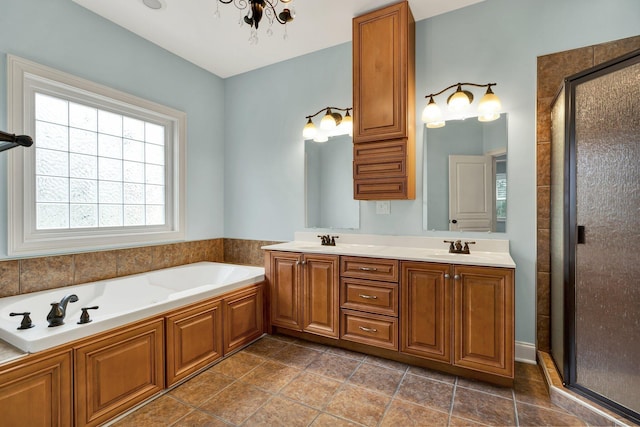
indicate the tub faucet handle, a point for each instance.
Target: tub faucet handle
{"x":26,"y":320}
{"x":84,"y":317}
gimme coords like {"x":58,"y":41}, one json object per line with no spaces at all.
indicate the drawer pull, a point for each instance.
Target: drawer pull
{"x":368,"y":269}
{"x":368,"y":296}
{"x":372,"y":330}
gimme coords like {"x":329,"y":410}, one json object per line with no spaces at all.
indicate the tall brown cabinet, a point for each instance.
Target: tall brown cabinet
{"x":384,"y":104}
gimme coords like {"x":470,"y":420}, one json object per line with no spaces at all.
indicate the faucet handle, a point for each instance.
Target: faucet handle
{"x":466,"y":246}
{"x":451,"y":247}
{"x":84,"y":317}
{"x":333,"y":240}
{"x":26,"y":320}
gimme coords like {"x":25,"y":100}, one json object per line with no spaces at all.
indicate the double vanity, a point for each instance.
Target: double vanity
{"x":403,"y":298}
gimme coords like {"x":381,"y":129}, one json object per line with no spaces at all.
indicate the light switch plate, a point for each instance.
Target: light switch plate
{"x":383,"y":207}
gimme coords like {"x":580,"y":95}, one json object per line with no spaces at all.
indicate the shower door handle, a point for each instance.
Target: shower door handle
{"x":581,"y":235}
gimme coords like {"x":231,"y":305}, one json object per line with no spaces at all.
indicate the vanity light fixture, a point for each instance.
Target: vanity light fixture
{"x":258,"y":9}
{"x":488,"y":108}
{"x":332,"y":124}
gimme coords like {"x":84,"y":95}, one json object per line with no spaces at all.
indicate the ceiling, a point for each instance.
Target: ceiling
{"x":190,"y":29}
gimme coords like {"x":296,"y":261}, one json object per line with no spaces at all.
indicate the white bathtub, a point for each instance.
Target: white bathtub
{"x":121,"y":301}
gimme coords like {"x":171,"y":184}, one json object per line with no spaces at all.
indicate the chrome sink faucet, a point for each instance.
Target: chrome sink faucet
{"x":59,"y":310}
{"x":457,"y":248}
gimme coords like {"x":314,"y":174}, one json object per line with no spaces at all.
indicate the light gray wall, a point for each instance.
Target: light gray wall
{"x":493,"y":41}
{"x":65,"y":36}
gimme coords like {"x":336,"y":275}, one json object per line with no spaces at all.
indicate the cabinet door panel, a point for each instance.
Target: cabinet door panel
{"x":321,"y":295}
{"x":243,"y":318}
{"x":194,"y":339}
{"x":285,"y":294}
{"x":426,"y":310}
{"x":484,"y":319}
{"x":118,"y":371}
{"x":37,"y":392}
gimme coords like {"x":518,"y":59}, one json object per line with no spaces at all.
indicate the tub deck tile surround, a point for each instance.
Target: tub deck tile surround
{"x":311,"y":398}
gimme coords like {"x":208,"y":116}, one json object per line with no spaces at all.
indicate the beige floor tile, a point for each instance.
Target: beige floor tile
{"x":532,"y":392}
{"x":461,"y":422}
{"x":484,"y":408}
{"x":238,"y":365}
{"x":529,"y":372}
{"x":201,"y":388}
{"x":505,"y":392}
{"x":282,"y":412}
{"x":312,"y":345}
{"x":346,"y":353}
{"x":297,"y":356}
{"x":266,"y":347}
{"x":359,"y":405}
{"x":200,"y":419}
{"x":529,"y":415}
{"x":391,"y":364}
{"x":426,"y":392}
{"x":334,"y":366}
{"x":408,"y":414}
{"x":377,"y":378}
{"x":271,"y":376}
{"x":434,"y":375}
{"x":161,"y":412}
{"x":327,"y":420}
{"x":236,"y":403}
{"x":310,"y":389}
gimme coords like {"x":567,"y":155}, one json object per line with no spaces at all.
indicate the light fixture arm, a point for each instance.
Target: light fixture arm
{"x":326,"y":109}
{"x":488,"y":85}
{"x":257,"y":6}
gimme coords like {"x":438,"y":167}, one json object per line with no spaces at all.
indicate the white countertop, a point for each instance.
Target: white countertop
{"x":485,"y":252}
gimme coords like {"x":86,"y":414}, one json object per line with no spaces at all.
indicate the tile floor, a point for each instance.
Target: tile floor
{"x":281,"y":381}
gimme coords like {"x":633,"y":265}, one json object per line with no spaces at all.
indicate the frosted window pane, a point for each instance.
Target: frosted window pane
{"x":83,"y":166}
{"x":133,"y":172}
{"x":154,"y":174}
{"x":50,"y":109}
{"x":154,"y":134}
{"x":155,"y":194}
{"x":133,"y":150}
{"x":154,"y":154}
{"x":53,"y":163}
{"x":109,"y":169}
{"x":83,"y":117}
{"x":134,"y":215}
{"x":132,"y":128}
{"x":109,"y":123}
{"x":82,"y":141}
{"x":134,"y":193}
{"x":109,"y":146}
{"x":52,"y":136}
{"x":155,"y":215}
{"x":83,"y":191}
{"x":52,"y":216}
{"x":109,"y":192}
{"x":110,"y":215}
{"x":84,"y":216}
{"x":51,"y":189}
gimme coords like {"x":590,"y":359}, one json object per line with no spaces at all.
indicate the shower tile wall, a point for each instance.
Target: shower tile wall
{"x":552,"y":69}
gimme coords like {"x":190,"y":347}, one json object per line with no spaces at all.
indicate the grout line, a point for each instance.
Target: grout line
{"x":393,"y":396}
{"x":515,"y":407}
{"x":453,"y":399}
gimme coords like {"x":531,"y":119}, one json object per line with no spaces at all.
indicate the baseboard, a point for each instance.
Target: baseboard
{"x":525,"y":352}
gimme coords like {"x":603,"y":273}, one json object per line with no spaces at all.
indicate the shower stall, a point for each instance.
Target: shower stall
{"x":595,"y":234}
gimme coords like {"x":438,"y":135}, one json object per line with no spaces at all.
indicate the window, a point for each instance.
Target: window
{"x":106,"y":168}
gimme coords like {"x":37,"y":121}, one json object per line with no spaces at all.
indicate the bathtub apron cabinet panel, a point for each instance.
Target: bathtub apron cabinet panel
{"x":305,"y":292}
{"x":194,"y":339}
{"x":484,"y":319}
{"x":37,"y":391}
{"x":116,"y":371}
{"x":243,"y":314}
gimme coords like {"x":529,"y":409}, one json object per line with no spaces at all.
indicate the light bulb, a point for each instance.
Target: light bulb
{"x":309,"y":131}
{"x":328,"y":122}
{"x":347,"y":124}
{"x":432,"y":115}
{"x":489,"y":107}
{"x":460,"y":100}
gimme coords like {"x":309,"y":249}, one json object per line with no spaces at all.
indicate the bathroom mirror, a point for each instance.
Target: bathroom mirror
{"x":465,"y":176}
{"x":329,"y":184}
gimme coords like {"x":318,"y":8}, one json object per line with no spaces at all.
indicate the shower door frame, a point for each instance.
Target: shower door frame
{"x":571,"y":229}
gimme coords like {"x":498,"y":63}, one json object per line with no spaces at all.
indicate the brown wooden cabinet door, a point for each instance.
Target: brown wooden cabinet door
{"x":37,"y":391}
{"x":194,"y":339}
{"x":426,"y":310}
{"x":483,"y":319}
{"x":117,"y":371}
{"x":321,"y":295}
{"x":381,"y":45}
{"x":243,"y":315}
{"x":285,"y":293}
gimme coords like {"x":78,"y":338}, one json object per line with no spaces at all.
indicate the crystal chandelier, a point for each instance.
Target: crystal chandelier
{"x":257,"y":9}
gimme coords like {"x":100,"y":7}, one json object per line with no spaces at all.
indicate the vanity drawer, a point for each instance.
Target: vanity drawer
{"x":380,"y":189}
{"x":370,"y":329}
{"x":369,"y":268}
{"x":369,"y":296}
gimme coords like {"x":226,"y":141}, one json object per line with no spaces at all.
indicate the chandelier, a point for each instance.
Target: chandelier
{"x":257,"y":9}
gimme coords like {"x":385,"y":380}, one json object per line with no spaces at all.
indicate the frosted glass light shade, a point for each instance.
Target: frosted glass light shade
{"x":328,"y":122}
{"x":346,"y":126}
{"x":459,"y":101}
{"x":321,"y":137}
{"x":309,"y":131}
{"x":489,"y":107}
{"x":432,"y":115}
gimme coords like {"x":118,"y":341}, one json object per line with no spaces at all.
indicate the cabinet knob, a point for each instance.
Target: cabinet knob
{"x":456,"y":277}
{"x":447,"y":276}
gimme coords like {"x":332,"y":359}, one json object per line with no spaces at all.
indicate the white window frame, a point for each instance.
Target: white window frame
{"x":24,"y":78}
